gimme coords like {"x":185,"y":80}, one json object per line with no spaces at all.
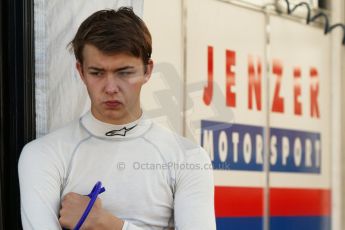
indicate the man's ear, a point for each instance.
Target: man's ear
{"x":149,"y":68}
{"x":79,"y":67}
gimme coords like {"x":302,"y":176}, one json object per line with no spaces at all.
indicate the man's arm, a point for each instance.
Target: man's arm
{"x":73,"y":206}
{"x":40,"y":182}
{"x":194,"y":195}
{"x":40,"y":178}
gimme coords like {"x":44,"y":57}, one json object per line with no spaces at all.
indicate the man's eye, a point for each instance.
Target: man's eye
{"x":125,"y":73}
{"x":96,"y":73}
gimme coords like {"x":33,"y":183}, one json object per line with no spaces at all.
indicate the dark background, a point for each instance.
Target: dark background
{"x":17,"y":114}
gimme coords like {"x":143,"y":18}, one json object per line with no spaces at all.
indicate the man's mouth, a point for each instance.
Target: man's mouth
{"x":112,"y":103}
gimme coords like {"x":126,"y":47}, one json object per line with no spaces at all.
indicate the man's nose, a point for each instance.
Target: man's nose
{"x":112,"y":84}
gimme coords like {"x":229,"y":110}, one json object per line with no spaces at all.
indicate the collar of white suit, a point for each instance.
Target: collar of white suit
{"x":104,"y":130}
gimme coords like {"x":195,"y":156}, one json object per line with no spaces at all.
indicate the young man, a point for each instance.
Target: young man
{"x":154,"y":179}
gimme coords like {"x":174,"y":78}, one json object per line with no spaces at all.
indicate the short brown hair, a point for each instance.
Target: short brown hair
{"x":113,"y":32}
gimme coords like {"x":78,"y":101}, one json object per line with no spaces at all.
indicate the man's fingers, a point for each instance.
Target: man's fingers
{"x":73,"y":206}
{"x":71,"y":196}
{"x":64,"y":222}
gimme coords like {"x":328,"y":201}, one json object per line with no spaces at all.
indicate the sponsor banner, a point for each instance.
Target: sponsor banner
{"x":300,"y":96}
{"x":233,"y":146}
{"x":226,"y":80}
{"x":242,"y":103}
{"x":300,"y":81}
{"x":240,"y":147}
{"x":226,"y":83}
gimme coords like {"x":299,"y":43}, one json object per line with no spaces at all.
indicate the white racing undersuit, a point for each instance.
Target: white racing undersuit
{"x":154,"y":179}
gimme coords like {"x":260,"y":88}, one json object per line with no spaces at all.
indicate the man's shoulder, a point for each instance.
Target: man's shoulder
{"x":176,"y":148}
{"x":168,"y":139}
{"x":67,"y":135}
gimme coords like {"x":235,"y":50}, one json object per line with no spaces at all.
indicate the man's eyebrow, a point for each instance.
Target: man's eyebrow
{"x":128,"y":67}
{"x":95,"y":68}
{"x":116,"y":70}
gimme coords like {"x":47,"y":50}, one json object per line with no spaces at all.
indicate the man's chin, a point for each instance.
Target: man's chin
{"x":114,"y":115}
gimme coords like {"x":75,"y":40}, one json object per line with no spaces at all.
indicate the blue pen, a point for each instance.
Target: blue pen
{"x":97,"y":189}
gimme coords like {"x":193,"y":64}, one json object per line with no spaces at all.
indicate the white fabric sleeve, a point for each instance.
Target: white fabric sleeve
{"x":129,"y":226}
{"x":40,"y":182}
{"x":194,"y":195}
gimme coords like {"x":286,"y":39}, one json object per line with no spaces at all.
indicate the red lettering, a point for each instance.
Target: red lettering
{"x":254,"y":84}
{"x":314,"y":93}
{"x":297,"y":91}
{"x":278,"y":101}
{"x":208,"y":90}
{"x":230,"y":78}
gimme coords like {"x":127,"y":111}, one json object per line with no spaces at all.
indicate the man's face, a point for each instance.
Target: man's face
{"x":113,"y":83}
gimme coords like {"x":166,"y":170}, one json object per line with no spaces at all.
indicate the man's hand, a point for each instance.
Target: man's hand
{"x":73,"y":206}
